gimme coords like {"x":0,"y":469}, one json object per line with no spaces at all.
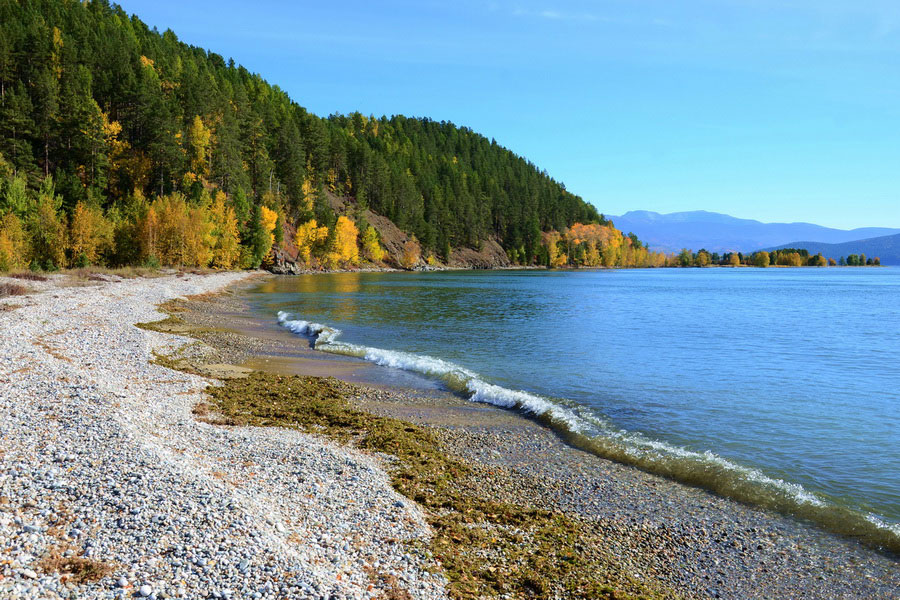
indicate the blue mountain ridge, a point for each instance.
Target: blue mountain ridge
{"x":719,"y":232}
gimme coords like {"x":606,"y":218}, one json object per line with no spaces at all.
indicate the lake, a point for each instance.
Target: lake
{"x":776,"y":387}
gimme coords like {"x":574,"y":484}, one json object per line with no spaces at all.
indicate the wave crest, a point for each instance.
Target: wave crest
{"x":589,"y":432}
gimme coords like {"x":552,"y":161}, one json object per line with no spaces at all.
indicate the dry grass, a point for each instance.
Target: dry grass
{"x":182,"y":271}
{"x":28,"y":276}
{"x":391,"y":586}
{"x":100,"y":273}
{"x":76,"y":569}
{"x":12,"y":289}
{"x":41,"y":342}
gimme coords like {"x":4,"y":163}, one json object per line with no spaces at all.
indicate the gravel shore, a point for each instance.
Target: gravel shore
{"x":109,"y":487}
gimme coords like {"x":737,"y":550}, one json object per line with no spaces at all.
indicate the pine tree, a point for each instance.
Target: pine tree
{"x":258,"y":242}
{"x":16,"y":127}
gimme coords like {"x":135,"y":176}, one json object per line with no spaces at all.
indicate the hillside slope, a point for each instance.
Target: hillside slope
{"x":723,"y":233}
{"x":117,"y":112}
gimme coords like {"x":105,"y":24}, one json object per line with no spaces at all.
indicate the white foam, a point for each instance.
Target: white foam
{"x":426,"y":365}
{"x":506,"y":398}
{"x":881,"y":524}
{"x":321,"y":333}
{"x":461,"y":379}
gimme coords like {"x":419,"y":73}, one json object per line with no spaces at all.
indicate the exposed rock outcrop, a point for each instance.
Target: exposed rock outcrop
{"x":490,"y":256}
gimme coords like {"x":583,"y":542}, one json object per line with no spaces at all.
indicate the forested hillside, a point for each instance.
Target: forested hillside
{"x":121,"y":145}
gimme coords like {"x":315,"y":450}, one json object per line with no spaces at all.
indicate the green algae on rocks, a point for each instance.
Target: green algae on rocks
{"x":486,"y":548}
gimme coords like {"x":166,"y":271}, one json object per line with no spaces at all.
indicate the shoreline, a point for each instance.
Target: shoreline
{"x":707,"y":471}
{"x":667,"y":535}
{"x":790,"y":558}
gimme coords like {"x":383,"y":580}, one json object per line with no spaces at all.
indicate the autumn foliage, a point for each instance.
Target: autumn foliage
{"x":318,"y":246}
{"x":90,"y":233}
{"x":36,"y":231}
{"x":346,"y":249}
{"x":412,"y":252}
{"x":596,"y":245}
{"x":309,"y":239}
{"x":372,"y":249}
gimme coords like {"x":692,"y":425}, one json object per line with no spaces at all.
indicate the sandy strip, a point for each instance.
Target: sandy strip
{"x":102,"y":461}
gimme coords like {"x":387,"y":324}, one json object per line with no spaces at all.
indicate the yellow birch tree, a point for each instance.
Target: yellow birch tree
{"x":14,"y":247}
{"x":308,"y":238}
{"x":226,"y":251}
{"x":90,"y":233}
{"x":199,"y":137}
{"x":198,"y":237}
{"x":346,"y":243}
{"x":269,"y":220}
{"x":372,"y":250}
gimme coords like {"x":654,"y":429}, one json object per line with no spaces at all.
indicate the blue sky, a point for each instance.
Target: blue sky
{"x":775,"y":110}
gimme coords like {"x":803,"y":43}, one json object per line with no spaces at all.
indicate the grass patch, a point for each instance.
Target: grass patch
{"x":12,"y":289}
{"x":487,"y":548}
{"x":173,"y":323}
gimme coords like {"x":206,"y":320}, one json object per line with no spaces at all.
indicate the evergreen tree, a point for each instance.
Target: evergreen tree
{"x":257,"y":237}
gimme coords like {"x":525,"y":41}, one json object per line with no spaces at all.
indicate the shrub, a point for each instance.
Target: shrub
{"x":28,"y":276}
{"x":12,"y":289}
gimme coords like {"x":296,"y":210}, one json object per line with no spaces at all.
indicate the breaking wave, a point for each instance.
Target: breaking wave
{"x":588,"y":431}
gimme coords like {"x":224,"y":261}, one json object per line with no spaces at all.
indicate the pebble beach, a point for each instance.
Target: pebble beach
{"x":101,"y":459}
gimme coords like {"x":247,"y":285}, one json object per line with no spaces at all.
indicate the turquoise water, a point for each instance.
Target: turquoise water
{"x":777,"y":387}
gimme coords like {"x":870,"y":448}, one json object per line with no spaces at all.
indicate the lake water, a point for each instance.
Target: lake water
{"x":776,"y":387}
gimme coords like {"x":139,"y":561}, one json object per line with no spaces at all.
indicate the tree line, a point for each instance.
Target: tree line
{"x":784,"y":257}
{"x":107,"y":124}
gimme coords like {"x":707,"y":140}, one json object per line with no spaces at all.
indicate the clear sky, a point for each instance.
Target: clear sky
{"x":778,"y":110}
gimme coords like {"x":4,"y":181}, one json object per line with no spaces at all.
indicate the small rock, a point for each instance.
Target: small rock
{"x":145,"y":590}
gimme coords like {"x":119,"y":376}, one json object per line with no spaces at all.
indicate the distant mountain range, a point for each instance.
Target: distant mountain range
{"x":886,"y":247}
{"x":723,"y":233}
